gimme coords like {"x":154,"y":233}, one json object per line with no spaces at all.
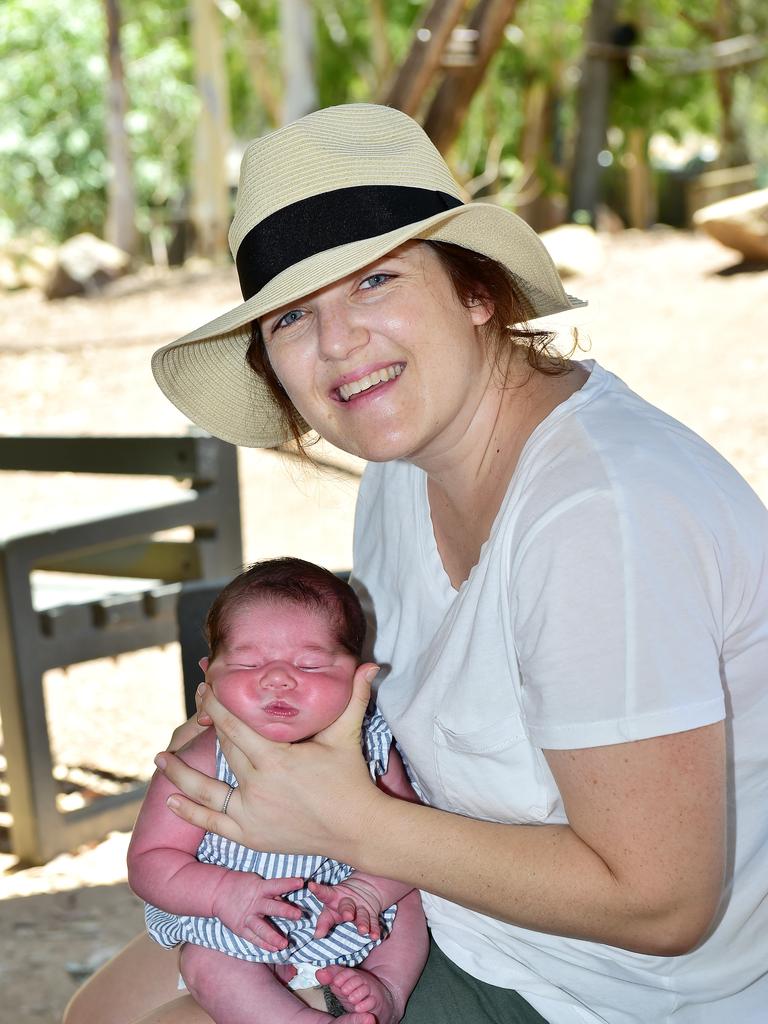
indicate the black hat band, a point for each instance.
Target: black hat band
{"x":325,"y":221}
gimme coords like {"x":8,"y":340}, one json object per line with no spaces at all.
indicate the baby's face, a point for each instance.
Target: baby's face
{"x":281,"y":670}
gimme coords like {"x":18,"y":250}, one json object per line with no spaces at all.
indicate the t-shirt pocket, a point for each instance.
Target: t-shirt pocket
{"x":493,"y":772}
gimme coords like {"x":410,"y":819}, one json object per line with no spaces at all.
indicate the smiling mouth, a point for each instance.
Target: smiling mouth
{"x":356,"y":387}
{"x":280,"y":710}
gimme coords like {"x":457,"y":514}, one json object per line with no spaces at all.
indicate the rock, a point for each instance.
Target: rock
{"x":84,"y":265}
{"x":25,"y":262}
{"x":740,"y":223}
{"x":575,"y":249}
{"x":10,"y":279}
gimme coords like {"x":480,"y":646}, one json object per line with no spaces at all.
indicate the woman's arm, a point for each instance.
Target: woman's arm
{"x":640,"y":864}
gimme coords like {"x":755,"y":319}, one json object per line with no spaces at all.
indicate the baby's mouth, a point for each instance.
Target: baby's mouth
{"x":370,"y":380}
{"x":279,"y":709}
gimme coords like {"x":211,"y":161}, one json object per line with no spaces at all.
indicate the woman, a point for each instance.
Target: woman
{"x":568,"y":600}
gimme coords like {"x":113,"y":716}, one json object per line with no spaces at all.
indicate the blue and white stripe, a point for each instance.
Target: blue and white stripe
{"x":343,"y":946}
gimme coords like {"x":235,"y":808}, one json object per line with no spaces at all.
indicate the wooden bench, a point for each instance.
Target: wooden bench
{"x":135,"y":610}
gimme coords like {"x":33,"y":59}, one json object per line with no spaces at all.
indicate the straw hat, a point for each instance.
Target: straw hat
{"x":319,"y":199}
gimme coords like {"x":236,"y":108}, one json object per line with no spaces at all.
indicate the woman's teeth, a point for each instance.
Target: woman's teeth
{"x":346,"y":391}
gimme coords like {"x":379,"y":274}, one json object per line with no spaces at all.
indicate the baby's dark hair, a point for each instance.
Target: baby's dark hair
{"x":293,"y":581}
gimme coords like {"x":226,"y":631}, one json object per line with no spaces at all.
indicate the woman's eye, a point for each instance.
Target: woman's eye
{"x":288,"y":319}
{"x":375,"y":281}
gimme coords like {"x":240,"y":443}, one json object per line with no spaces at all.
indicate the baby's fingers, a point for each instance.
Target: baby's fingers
{"x":262,"y":934}
{"x":325,"y":893}
{"x":271,"y":887}
{"x":363,"y":921}
{"x":327,"y":920}
{"x":366,"y":924}
{"x":280,"y":908}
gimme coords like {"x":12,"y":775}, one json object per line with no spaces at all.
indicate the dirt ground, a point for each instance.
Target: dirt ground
{"x":673,"y":314}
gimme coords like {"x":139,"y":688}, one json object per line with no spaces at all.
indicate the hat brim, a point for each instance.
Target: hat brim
{"x":205,"y":374}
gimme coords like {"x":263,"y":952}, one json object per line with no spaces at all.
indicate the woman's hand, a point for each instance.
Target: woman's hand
{"x":315,"y":796}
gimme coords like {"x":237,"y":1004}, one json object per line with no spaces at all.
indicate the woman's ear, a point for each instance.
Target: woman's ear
{"x":480,"y":309}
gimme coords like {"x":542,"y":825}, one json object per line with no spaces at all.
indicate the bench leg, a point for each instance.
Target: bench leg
{"x":23,"y":716}
{"x":40,"y":830}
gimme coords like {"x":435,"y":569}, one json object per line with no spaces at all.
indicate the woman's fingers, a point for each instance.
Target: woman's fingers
{"x":348,"y":725}
{"x":202,"y":717}
{"x":243,"y":748}
{"x":201,"y":797}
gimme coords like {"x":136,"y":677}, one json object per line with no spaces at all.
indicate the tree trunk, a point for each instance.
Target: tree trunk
{"x":297,"y":33}
{"x":449,"y":106}
{"x":640,"y":194}
{"x":121,"y":194}
{"x":733,"y":145}
{"x":594,"y":91}
{"x":210,"y":186}
{"x":423,"y":60}
{"x":536,"y":148}
{"x":381,"y":55}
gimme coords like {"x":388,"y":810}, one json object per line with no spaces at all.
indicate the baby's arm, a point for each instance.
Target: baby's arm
{"x":362,"y":898}
{"x":163,"y":869}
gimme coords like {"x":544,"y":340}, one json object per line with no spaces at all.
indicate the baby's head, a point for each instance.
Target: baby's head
{"x":285,"y":638}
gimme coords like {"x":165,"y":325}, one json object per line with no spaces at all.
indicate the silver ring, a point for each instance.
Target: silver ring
{"x":227,"y":798}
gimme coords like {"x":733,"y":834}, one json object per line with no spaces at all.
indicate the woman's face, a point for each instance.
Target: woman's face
{"x":386,"y":363}
{"x":281,"y":669}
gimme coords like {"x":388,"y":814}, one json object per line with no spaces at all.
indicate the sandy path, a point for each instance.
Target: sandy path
{"x":666,"y":314}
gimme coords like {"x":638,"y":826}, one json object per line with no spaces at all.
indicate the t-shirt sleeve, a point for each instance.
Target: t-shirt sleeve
{"x":617,"y":618}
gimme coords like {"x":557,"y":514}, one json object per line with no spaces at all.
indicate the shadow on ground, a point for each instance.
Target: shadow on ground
{"x":50,"y":943}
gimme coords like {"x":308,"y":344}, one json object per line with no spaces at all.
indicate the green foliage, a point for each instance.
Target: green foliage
{"x":542,"y":43}
{"x":53,"y":167}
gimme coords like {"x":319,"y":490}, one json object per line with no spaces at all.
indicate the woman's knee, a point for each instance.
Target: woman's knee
{"x":138,"y":980}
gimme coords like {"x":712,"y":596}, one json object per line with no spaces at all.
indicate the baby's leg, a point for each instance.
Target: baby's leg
{"x":235,"y":991}
{"x":387,"y":977}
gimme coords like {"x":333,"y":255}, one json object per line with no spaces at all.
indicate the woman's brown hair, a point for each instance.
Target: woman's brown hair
{"x":473,"y":276}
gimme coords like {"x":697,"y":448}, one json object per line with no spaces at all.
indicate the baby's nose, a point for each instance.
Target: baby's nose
{"x":277,"y":677}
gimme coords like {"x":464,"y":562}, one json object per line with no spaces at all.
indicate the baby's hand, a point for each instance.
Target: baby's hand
{"x":243,"y":900}
{"x":353,"y":900}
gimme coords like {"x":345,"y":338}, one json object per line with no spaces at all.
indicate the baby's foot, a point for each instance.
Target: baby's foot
{"x":361,"y":993}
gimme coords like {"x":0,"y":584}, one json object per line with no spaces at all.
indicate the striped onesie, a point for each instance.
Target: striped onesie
{"x":342,"y":946}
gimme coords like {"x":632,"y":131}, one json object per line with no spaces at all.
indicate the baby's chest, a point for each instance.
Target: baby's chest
{"x":223,"y":852}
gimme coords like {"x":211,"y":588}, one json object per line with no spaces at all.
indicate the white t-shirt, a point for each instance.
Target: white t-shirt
{"x":622,"y":594}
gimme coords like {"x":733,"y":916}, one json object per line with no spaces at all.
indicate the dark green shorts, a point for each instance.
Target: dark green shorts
{"x":447,"y":995}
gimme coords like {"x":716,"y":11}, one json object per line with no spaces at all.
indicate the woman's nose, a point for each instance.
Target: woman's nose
{"x":277,"y":677}
{"x":340,"y":335}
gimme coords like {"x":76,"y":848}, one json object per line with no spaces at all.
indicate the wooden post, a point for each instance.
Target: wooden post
{"x":297,"y":34}
{"x":423,"y":60}
{"x":210,"y":187}
{"x":640,"y":198}
{"x":121,"y":193}
{"x":592,"y":115}
{"x":449,"y":106}
{"x":381,"y":55}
